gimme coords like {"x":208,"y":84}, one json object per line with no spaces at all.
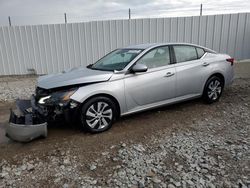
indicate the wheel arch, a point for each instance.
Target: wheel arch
{"x":218,"y":74}
{"x":108,"y":96}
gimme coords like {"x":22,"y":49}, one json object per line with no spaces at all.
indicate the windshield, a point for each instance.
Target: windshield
{"x":116,"y":60}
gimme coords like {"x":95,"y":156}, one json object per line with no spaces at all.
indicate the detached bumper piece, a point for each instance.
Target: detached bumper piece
{"x":24,"y":125}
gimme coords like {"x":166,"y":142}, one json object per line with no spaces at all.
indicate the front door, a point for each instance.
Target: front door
{"x":155,"y":85}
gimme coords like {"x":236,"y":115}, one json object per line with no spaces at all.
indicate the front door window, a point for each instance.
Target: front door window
{"x":156,"y":58}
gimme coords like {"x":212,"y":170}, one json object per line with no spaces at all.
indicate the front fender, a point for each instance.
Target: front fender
{"x":113,"y":88}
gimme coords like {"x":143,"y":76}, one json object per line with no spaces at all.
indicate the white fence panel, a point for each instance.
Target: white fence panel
{"x":57,"y":47}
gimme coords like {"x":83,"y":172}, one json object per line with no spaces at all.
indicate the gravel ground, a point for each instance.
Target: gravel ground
{"x":185,"y":145}
{"x":12,"y":88}
{"x":214,"y":153}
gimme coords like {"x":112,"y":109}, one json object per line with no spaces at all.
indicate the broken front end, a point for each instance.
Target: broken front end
{"x":55,"y":104}
{"x":31,"y":117}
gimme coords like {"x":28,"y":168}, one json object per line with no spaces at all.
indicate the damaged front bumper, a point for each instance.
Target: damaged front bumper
{"x":29,"y":121}
{"x":25,"y":125}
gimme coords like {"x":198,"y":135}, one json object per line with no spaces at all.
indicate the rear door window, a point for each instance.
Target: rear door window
{"x":184,"y":53}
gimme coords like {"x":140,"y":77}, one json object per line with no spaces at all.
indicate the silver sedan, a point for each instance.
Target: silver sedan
{"x":133,"y":79}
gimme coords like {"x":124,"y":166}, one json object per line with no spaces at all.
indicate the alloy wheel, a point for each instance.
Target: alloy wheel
{"x":214,"y":89}
{"x":99,"y":115}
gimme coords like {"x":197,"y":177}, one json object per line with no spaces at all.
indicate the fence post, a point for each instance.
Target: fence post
{"x":201,"y":10}
{"x":9,"y":21}
{"x":129,"y":14}
{"x":65,"y":17}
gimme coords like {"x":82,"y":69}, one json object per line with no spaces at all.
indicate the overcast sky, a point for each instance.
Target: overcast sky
{"x":26,"y":12}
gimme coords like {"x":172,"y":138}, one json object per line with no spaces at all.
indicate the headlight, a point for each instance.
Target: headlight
{"x":43,"y":99}
{"x":58,"y":96}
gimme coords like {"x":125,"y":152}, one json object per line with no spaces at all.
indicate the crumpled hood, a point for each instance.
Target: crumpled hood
{"x":75,"y":76}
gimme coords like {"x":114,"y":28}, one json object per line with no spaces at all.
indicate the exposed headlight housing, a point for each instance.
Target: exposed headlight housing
{"x":57,"y":97}
{"x":43,"y":99}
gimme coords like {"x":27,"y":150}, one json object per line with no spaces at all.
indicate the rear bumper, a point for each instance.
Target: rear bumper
{"x":229,"y":75}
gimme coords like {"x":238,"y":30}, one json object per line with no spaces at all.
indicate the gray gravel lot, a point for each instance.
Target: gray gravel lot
{"x":13,"y":87}
{"x":185,"y":145}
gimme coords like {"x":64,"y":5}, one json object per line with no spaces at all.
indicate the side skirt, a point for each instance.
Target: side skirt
{"x":161,"y":103}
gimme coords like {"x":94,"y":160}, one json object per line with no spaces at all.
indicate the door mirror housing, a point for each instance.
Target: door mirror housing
{"x":139,"y":68}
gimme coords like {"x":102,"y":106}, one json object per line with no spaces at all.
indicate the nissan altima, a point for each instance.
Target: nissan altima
{"x":130,"y":80}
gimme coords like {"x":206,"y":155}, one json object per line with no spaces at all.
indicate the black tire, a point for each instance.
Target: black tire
{"x":210,"y":94}
{"x":91,"y":107}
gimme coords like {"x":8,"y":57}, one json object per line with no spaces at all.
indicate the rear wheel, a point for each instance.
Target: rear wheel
{"x":98,"y":114}
{"x":213,"y":89}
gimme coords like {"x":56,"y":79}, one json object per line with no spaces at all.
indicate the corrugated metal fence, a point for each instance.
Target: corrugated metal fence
{"x":53,"y":48}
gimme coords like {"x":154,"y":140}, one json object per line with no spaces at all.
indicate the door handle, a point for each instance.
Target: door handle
{"x":205,"y":64}
{"x":169,"y":74}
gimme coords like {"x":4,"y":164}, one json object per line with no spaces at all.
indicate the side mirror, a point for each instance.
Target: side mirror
{"x":139,"y":68}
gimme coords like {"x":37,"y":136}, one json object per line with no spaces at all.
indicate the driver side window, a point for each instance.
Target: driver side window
{"x":156,"y":58}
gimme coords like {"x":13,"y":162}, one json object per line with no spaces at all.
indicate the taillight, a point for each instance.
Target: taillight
{"x":230,"y":60}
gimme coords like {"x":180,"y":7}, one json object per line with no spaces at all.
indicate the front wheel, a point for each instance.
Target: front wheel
{"x":98,"y":114}
{"x":213,"y":89}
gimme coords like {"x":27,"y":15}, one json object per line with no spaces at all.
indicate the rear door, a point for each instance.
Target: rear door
{"x":191,"y":70}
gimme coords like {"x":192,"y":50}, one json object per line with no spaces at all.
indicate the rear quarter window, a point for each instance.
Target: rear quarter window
{"x":200,"y":52}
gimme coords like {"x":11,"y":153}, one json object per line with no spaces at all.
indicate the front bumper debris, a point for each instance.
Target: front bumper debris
{"x":24,"y":124}
{"x":29,"y":121}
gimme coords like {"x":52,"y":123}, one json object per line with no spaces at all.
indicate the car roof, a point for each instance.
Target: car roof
{"x":142,"y":46}
{"x":151,"y":45}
